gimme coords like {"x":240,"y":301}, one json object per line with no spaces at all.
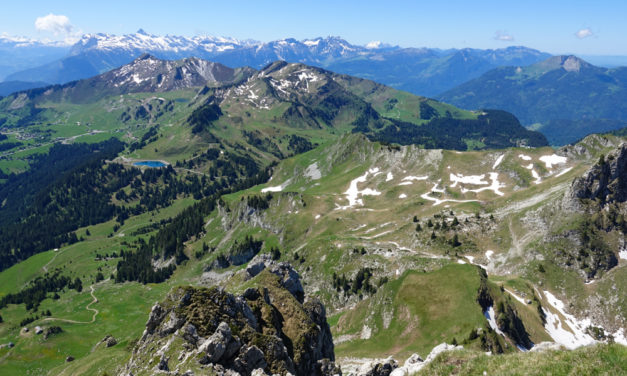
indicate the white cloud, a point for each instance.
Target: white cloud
{"x":60,"y":26}
{"x":584,"y":33}
{"x":56,"y":24}
{"x":503,"y":36}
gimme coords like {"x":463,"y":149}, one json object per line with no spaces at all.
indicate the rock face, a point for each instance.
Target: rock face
{"x":606,"y":181}
{"x":289,"y":279}
{"x":209,"y":331}
{"x":598,"y":198}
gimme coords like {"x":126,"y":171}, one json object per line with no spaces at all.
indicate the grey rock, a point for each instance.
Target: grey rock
{"x":173,"y":324}
{"x":258,"y":372}
{"x":250,"y":358}
{"x":328,"y":367}
{"x":190,"y":334}
{"x":289,"y":279}
{"x":156,"y":316}
{"x":220,"y":346}
{"x":382,"y":369}
{"x":110,"y":341}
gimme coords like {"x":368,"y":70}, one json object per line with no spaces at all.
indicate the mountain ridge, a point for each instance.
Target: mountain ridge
{"x":96,"y":53}
{"x":564,"y":97}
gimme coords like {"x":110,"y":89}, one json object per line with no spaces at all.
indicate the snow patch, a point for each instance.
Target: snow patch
{"x":471,"y":179}
{"x":564,"y":171}
{"x":498,"y":161}
{"x":406,"y":183}
{"x":495,"y":186}
{"x":353,"y":191}
{"x":317,"y":216}
{"x":516,"y":297}
{"x":536,"y":176}
{"x":524,"y":157}
{"x":402,"y":195}
{"x":277,"y":188}
{"x":389,"y":177}
{"x":488,"y":254}
{"x":622,"y":254}
{"x":460,"y":261}
{"x":550,"y":160}
{"x":489,"y":315}
{"x":437,"y":201}
{"x":411,"y":178}
{"x":564,"y":328}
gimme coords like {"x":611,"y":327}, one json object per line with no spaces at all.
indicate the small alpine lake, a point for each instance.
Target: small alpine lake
{"x":150,"y":164}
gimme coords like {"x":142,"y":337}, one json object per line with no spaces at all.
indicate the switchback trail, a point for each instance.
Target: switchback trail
{"x":94,"y":310}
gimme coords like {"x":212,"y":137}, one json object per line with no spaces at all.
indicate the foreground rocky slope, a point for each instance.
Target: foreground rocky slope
{"x":266,"y":330}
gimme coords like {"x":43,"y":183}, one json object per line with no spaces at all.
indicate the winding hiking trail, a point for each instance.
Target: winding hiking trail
{"x":94,"y":310}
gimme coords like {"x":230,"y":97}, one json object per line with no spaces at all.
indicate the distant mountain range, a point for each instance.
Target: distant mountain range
{"x":422,"y":71}
{"x":17,"y":54}
{"x":564,"y":97}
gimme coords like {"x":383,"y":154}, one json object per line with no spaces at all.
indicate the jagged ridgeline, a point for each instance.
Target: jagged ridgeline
{"x":269,"y":328}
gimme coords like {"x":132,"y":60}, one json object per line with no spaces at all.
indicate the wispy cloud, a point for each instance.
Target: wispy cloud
{"x":584,"y":33}
{"x":59,"y":25}
{"x":503,"y":36}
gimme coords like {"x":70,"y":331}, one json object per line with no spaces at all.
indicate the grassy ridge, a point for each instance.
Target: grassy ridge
{"x":591,"y":360}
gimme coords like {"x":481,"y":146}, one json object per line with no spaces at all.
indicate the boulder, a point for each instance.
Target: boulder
{"x":220,"y":346}
{"x":109,"y":341}
{"x":412,"y":365}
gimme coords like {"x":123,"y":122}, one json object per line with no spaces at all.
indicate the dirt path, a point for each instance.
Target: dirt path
{"x":94,"y":310}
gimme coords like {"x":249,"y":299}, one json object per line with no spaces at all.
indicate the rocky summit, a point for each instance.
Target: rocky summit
{"x":265,"y":330}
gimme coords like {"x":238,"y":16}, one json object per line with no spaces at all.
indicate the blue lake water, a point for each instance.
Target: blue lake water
{"x":150,"y":164}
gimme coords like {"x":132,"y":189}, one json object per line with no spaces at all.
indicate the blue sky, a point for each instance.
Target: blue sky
{"x":556,"y":26}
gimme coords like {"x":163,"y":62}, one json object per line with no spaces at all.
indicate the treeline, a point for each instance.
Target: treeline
{"x":204,"y":116}
{"x":494,"y":130}
{"x":73,"y":187}
{"x":137,"y":266}
{"x":170,"y":240}
{"x":38,"y":290}
{"x":9,"y":145}
{"x":46,"y":203}
{"x":357,"y":285}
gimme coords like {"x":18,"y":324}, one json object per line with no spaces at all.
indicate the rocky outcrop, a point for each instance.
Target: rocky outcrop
{"x":109,"y":341}
{"x":267,"y":330}
{"x":605,"y":182}
{"x":288,"y":277}
{"x":413,"y":364}
{"x":597,"y":199}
